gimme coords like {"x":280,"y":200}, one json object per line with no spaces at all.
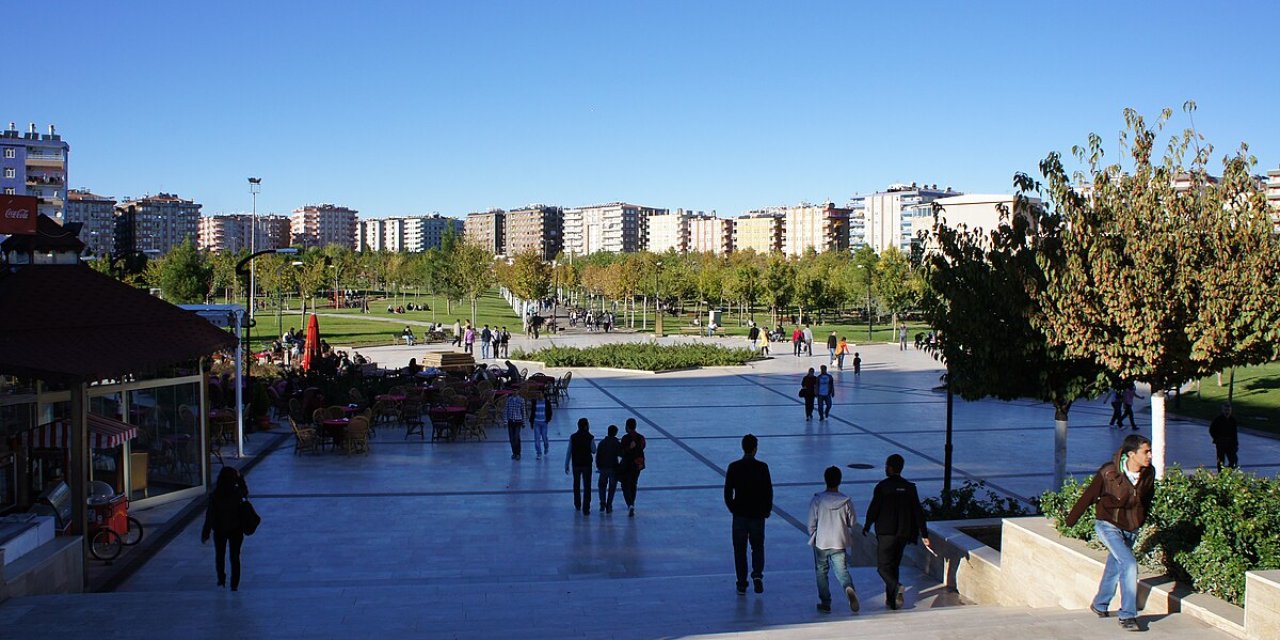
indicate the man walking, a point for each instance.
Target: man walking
{"x":797,"y":338}
{"x":515,"y":422}
{"x":826,"y":391}
{"x":582,"y":445}
{"x":486,"y":340}
{"x":608,"y":452}
{"x":457,"y":333}
{"x":832,"y":341}
{"x":1226,"y":438}
{"x":632,"y":464}
{"x":1130,"y":392}
{"x":831,"y":523}
{"x":808,"y":340}
{"x":896,"y":513}
{"x":753,"y":336}
{"x":902,"y":338}
{"x":1123,"y":489}
{"x":809,"y":391}
{"x":748,"y":493}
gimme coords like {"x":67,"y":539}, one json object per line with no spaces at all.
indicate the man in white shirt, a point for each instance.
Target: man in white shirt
{"x":831,"y":524}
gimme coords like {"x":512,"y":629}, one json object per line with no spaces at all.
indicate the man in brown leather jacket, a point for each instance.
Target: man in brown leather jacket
{"x":1121,"y":493}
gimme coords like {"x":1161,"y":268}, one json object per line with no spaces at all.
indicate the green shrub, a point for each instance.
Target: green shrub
{"x":966,"y":504}
{"x":644,"y":356}
{"x":1205,"y":528}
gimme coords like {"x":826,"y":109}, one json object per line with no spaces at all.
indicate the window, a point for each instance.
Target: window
{"x":10,"y":152}
{"x":10,"y":191}
{"x":9,"y":172}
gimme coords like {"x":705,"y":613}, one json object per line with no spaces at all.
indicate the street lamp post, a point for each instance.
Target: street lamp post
{"x":657,"y":311}
{"x":241,"y":272}
{"x":255,"y":185}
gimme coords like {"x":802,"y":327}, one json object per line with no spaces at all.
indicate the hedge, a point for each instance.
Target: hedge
{"x":644,"y":356}
{"x":1206,"y":529}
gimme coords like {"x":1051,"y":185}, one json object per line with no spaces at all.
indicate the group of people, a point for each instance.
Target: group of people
{"x":494,"y":342}
{"x":616,"y":461}
{"x":838,"y":347}
{"x":894,"y":511}
{"x":592,"y":320}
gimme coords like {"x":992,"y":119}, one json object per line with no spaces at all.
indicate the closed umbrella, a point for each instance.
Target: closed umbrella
{"x":311,"y":351}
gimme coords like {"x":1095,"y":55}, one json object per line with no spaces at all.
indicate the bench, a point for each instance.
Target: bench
{"x":690,"y":330}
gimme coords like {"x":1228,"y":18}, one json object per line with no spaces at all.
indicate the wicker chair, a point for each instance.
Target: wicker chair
{"x":411,"y":416}
{"x":357,"y":435}
{"x":323,"y":437}
{"x":357,"y":397}
{"x":304,"y":438}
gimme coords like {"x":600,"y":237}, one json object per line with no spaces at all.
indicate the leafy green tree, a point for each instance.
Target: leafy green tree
{"x":311,"y":276}
{"x":779,"y":285}
{"x":894,"y":284}
{"x":529,"y":277}
{"x":983,"y":292}
{"x":183,"y":275}
{"x":1165,"y":275}
{"x":222,"y":276}
{"x":472,"y":266}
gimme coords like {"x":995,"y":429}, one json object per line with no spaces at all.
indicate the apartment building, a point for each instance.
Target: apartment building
{"x":667,"y":232}
{"x":35,"y":164}
{"x":821,"y":227}
{"x":537,"y":228}
{"x":238,"y":231}
{"x":97,"y":217}
{"x":887,"y":215}
{"x":155,"y":224}
{"x":320,"y":225}
{"x":974,"y":211}
{"x":488,"y":230}
{"x":710,"y":234}
{"x":615,"y":226}
{"x":411,"y":233}
{"x":762,"y":230}
{"x":1273,"y":190}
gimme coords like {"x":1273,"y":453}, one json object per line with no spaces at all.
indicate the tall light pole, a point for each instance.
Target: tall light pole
{"x":255,"y":185}
{"x":657,"y":311}
{"x":248,"y":340}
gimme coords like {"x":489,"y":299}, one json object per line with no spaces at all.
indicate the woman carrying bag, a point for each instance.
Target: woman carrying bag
{"x":228,"y":519}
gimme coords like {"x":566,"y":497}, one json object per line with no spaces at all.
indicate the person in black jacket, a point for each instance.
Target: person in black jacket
{"x":222,"y":518}
{"x":896,"y":513}
{"x":608,"y":452}
{"x":748,"y":492}
{"x":581,"y":447}
{"x":1226,"y":438}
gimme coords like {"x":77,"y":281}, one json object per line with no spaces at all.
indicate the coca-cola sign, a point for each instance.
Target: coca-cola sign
{"x":18,"y":214}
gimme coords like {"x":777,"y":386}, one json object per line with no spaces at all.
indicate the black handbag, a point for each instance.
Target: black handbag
{"x":249,"y":518}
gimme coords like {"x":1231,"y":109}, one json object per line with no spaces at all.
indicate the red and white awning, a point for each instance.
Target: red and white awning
{"x":104,"y":433}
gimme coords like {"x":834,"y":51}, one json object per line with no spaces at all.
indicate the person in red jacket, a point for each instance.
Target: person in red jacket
{"x":1121,"y":494}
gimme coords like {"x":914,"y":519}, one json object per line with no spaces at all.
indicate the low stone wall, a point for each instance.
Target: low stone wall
{"x":53,"y":567}
{"x":1036,"y":567}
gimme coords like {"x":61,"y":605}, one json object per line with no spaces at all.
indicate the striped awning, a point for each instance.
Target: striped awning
{"x":104,"y":433}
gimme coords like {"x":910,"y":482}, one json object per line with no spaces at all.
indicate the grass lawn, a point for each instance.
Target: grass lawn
{"x":491,"y":309}
{"x":1256,"y":399}
{"x":855,"y":332}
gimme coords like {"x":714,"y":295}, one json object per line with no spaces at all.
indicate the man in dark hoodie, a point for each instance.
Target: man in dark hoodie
{"x":748,"y":492}
{"x":895,"y":511}
{"x":607,"y":454}
{"x":831,"y":523}
{"x":1123,"y":490}
{"x":582,"y":445}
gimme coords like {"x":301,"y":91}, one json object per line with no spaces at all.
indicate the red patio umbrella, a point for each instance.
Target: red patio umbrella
{"x":311,"y":351}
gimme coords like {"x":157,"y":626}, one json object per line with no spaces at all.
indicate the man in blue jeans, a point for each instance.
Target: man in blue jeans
{"x":748,"y":493}
{"x":1123,"y":490}
{"x":826,"y":390}
{"x":831,"y":523}
{"x":582,"y":448}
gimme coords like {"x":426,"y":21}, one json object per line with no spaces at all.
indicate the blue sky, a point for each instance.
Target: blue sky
{"x":397,"y":108}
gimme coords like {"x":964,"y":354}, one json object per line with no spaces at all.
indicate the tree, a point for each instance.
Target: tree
{"x":472,"y":266}
{"x":779,"y":285}
{"x":222,"y":278}
{"x":983,"y":292}
{"x":1165,"y":275}
{"x":893,"y":283}
{"x":311,"y":277}
{"x":183,"y":275}
{"x":528,"y":277}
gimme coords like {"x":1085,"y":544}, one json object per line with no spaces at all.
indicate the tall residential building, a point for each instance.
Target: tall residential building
{"x":710,"y":234}
{"x":96,"y":214}
{"x":488,"y":230}
{"x":320,"y":225}
{"x":616,"y":226}
{"x":537,"y":228}
{"x":34,"y":164}
{"x":411,"y":233}
{"x":974,"y":211}
{"x":667,"y":232}
{"x":822,"y":228}
{"x":155,"y":224}
{"x":887,"y":214}
{"x":236,"y":231}
{"x":762,"y":230}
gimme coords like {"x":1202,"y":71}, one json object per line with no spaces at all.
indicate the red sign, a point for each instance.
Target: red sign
{"x":18,"y":215}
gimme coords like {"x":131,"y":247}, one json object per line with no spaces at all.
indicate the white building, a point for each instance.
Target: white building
{"x":973,"y":211}
{"x":616,"y":226}
{"x":886,"y":216}
{"x":413,"y":234}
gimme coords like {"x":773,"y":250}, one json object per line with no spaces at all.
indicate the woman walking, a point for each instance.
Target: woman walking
{"x":809,"y":391}
{"x":1122,"y":490}
{"x":222,"y":518}
{"x":632,"y":464}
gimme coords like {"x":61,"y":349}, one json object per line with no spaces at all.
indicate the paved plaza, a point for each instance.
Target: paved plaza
{"x":422,"y":539}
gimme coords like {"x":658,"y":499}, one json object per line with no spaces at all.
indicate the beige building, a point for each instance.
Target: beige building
{"x":973,"y":211}
{"x":615,"y":226}
{"x":96,"y":214}
{"x":1273,"y":189}
{"x":537,"y":228}
{"x":488,"y":230}
{"x":320,"y":225}
{"x":235,"y":231}
{"x":667,"y":232}
{"x":886,"y":216}
{"x":761,"y":230}
{"x":709,"y":234}
{"x":823,"y":227}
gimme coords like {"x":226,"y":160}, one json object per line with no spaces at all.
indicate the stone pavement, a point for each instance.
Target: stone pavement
{"x":458,"y":540}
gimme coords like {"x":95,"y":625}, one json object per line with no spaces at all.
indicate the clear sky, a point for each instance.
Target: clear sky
{"x":397,"y":108}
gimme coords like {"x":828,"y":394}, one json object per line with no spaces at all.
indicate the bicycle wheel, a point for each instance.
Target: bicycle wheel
{"x":133,"y":535}
{"x":105,"y":545}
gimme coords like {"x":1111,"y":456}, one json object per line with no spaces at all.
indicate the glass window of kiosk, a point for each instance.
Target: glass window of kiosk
{"x":168,"y":445}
